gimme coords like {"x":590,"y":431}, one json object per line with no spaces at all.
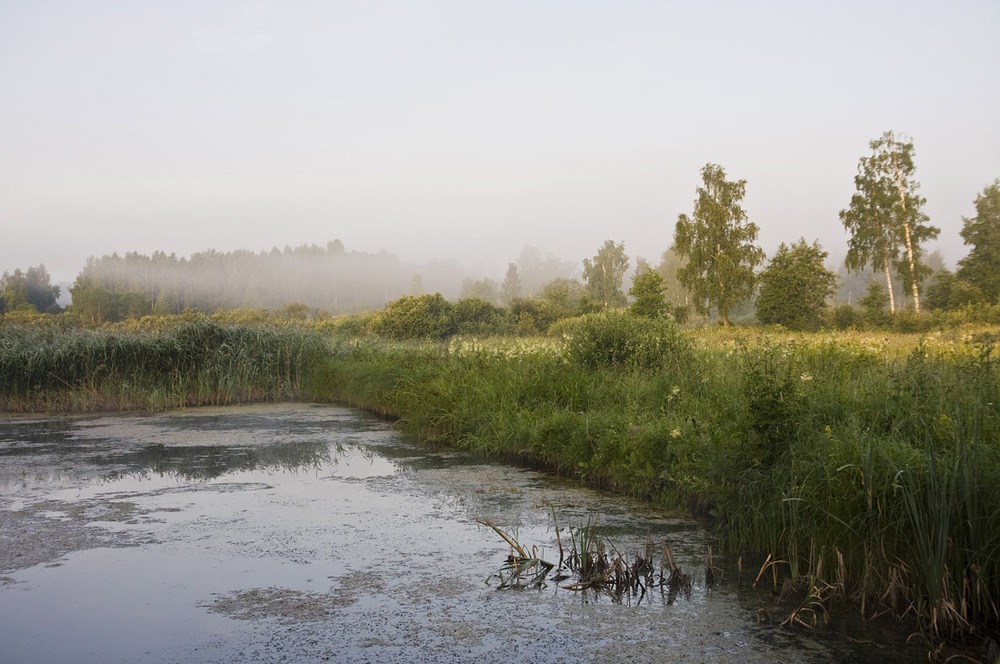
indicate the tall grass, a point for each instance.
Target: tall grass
{"x":869,"y":468}
{"x":187,"y":363}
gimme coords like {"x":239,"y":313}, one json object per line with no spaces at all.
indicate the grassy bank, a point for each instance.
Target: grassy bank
{"x":868,"y":467}
{"x":169,"y":364}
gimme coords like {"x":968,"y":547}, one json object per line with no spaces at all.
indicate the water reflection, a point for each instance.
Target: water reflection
{"x":190,"y":446}
{"x":207,"y":462}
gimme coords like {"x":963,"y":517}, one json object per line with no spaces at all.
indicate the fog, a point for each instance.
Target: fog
{"x":328,"y":278}
{"x":454,"y":134}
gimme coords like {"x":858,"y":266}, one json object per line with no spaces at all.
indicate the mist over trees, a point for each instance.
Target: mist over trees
{"x":712,"y":267}
{"x":328,"y":278}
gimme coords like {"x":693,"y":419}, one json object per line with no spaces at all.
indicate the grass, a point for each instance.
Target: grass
{"x":185,"y":363}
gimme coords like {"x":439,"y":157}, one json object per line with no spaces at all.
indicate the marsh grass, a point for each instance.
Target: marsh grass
{"x":187,"y":363}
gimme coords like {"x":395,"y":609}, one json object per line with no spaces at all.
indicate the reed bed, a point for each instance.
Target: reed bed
{"x":867,"y":467}
{"x":183,"y":364}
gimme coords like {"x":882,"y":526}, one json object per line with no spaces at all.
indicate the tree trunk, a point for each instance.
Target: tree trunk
{"x":906,"y":233}
{"x":888,"y":285}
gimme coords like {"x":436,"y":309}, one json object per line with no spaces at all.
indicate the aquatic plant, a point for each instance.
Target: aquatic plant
{"x":594,"y":563}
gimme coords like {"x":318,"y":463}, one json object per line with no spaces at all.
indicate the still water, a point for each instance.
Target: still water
{"x":316,"y":533}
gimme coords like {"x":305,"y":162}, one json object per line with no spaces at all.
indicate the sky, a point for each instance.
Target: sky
{"x":468,"y":129}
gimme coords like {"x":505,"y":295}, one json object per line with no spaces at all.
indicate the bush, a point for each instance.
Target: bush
{"x":615,"y":339}
{"x":414,"y":317}
{"x":907,"y":321}
{"x":845,"y":317}
{"x":474,"y":316}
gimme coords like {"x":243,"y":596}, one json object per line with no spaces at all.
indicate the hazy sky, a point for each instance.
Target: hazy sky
{"x":466,"y":129}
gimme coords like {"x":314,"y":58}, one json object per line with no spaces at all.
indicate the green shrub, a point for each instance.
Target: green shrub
{"x":616,"y":339}
{"x":415,"y":317}
{"x":474,"y":316}
{"x":845,"y":317}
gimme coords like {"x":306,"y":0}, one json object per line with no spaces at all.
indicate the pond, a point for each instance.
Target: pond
{"x":314,"y":533}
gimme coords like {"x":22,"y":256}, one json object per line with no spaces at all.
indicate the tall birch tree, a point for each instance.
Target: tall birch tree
{"x":886,"y":219}
{"x":603,"y":274}
{"x":718,"y":243}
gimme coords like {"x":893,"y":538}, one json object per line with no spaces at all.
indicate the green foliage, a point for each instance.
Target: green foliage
{"x":981,"y":268}
{"x":613,"y":339}
{"x":97,"y":303}
{"x":718,"y":243}
{"x":534,"y":316}
{"x":31,"y":289}
{"x":940,"y":294}
{"x":414,"y":317}
{"x":186,"y":363}
{"x":795,"y":286}
{"x":567,"y":297}
{"x":873,"y":306}
{"x":845,"y":317}
{"x":603,"y":275}
{"x":475,"y":316}
{"x":670,"y":264}
{"x":770,"y":389}
{"x":885,"y":218}
{"x":647,"y":293}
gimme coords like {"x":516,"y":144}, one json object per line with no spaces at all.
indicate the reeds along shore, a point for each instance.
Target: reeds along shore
{"x":870,"y":473}
{"x":181,"y":363}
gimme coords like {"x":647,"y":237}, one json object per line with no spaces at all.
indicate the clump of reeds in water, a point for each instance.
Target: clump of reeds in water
{"x":522,"y":569}
{"x":592,"y":562}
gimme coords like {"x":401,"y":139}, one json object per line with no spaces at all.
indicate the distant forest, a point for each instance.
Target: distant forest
{"x":328,"y":278}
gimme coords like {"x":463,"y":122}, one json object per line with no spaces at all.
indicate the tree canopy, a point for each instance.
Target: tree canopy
{"x":718,"y":242}
{"x":794,"y":287}
{"x":647,"y":291}
{"x":29,"y":289}
{"x":981,"y":267}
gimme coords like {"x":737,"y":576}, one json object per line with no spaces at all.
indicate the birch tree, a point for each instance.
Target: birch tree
{"x":603,"y":274}
{"x":885,"y":218}
{"x":718,"y":242}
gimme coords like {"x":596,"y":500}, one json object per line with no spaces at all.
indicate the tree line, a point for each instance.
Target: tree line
{"x":713,"y":268}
